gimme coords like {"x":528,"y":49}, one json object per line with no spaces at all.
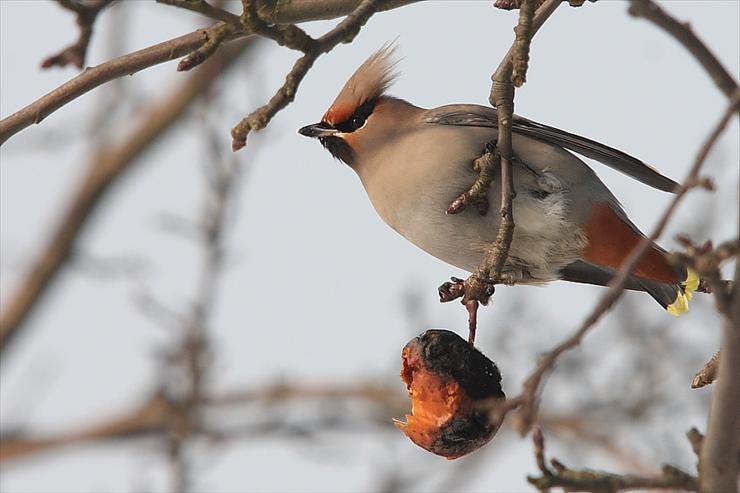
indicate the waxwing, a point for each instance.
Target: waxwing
{"x":414,"y":162}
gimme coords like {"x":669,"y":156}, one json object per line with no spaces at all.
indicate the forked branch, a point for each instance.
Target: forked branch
{"x":288,"y":13}
{"x":527,"y":401}
{"x":478,"y":288}
{"x":76,"y":53}
{"x":344,"y":32}
{"x":558,"y":475}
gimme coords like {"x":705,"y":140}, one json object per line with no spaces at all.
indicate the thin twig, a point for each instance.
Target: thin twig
{"x":105,"y":168}
{"x":77,"y":52}
{"x":178,"y":47}
{"x":344,"y":32}
{"x":205,"y":8}
{"x":247,"y":24}
{"x":706,"y":261}
{"x":288,"y":35}
{"x":478,"y":287}
{"x":502,"y":97}
{"x":696,"y":439}
{"x":156,"y":415}
{"x":561,"y":476}
{"x":477,"y":194}
{"x":681,"y":32}
{"x":527,"y":400}
{"x":215,"y":36}
{"x":523,"y":40}
{"x":95,"y":76}
{"x":190,"y":360}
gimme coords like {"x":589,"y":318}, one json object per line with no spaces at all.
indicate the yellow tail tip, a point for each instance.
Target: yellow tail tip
{"x":680,"y":306}
{"x":691,"y":283}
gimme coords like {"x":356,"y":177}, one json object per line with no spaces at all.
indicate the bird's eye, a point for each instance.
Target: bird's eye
{"x":358,"y":122}
{"x":358,"y":118}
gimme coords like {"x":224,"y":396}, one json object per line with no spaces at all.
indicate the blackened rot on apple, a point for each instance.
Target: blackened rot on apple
{"x":452,"y":387}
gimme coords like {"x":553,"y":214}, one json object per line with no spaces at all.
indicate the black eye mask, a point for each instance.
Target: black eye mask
{"x":358,"y":118}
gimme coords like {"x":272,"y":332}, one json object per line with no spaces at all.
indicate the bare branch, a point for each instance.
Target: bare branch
{"x":718,"y":463}
{"x":477,"y":195}
{"x":523,"y":40}
{"x":105,"y":168}
{"x":76,"y":52}
{"x":156,"y":415}
{"x":96,"y":76}
{"x":295,"y":11}
{"x":149,"y":417}
{"x":205,"y":8}
{"x":681,"y":31}
{"x":696,"y":439}
{"x":706,"y":260}
{"x":527,"y":400}
{"x":344,"y":32}
{"x":285,"y":35}
{"x":560,"y":476}
{"x":478,"y":288}
{"x":215,"y":35}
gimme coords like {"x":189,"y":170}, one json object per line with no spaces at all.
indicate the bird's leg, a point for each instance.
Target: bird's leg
{"x":477,"y":194}
{"x":474,"y":292}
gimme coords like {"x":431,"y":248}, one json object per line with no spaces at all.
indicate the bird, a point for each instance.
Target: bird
{"x":413,"y":162}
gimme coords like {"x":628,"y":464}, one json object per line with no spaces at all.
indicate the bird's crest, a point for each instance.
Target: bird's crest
{"x":368,"y":82}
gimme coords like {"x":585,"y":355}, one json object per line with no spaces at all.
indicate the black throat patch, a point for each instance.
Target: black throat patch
{"x":338,"y":148}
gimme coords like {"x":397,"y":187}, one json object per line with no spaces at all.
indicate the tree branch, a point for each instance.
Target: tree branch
{"x":86,"y":15}
{"x":718,"y":463}
{"x":560,"y":476}
{"x":681,"y":31}
{"x":526,"y":401}
{"x":104,"y":170}
{"x":272,"y":12}
{"x":157,"y":414}
{"x":206,"y":9}
{"x":478,"y":288}
{"x":344,"y":32}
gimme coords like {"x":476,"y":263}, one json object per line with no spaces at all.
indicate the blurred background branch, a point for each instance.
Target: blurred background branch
{"x":109,"y":162}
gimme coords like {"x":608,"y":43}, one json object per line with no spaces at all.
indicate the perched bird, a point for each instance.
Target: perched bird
{"x":414,"y":162}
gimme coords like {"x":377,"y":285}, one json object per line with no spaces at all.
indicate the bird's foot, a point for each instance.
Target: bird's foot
{"x":477,"y":194}
{"x":474,"y":292}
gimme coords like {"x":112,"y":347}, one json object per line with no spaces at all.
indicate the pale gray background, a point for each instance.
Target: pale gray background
{"x":595,"y":70}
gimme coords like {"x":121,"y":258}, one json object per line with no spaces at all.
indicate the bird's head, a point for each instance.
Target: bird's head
{"x":362,"y":113}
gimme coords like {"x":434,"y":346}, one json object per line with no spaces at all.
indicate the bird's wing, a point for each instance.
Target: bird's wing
{"x":481,"y":116}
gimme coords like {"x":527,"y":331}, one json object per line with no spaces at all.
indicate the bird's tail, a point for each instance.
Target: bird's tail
{"x":611,"y":239}
{"x":674,"y":297}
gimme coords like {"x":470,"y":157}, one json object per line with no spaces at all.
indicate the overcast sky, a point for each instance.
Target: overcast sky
{"x":88,"y":351}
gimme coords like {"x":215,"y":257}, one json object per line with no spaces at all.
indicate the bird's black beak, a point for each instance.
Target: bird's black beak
{"x":321,"y":129}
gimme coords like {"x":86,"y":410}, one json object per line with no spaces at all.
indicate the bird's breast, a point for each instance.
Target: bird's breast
{"x":412,"y":181}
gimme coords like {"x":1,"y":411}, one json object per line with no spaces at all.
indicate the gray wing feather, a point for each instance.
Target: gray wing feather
{"x":481,"y":116}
